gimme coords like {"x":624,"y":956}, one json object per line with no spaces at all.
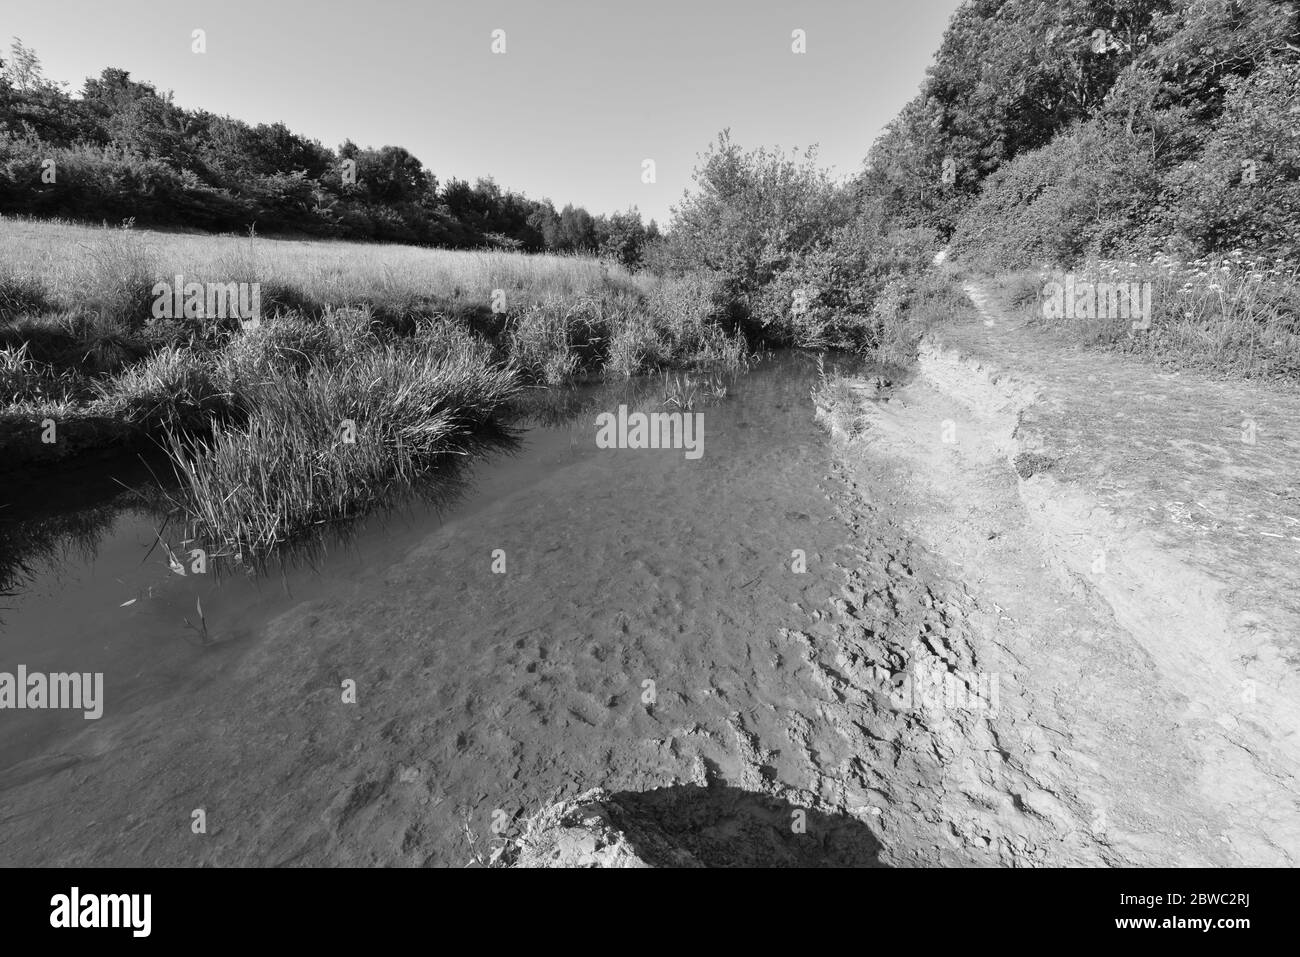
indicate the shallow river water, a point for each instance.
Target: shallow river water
{"x":569,"y":616}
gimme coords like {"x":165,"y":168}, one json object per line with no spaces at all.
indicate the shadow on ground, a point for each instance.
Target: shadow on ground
{"x":722,"y":826}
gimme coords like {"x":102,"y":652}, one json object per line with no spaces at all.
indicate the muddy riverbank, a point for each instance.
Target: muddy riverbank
{"x":796,"y":648}
{"x":1103,"y":543}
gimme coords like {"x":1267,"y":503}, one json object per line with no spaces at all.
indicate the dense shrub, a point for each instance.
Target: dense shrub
{"x":1091,"y":188}
{"x":677,"y":325}
{"x":1048,"y":131}
{"x":751,"y":214}
{"x":1008,"y":77}
{"x":1242,"y":191}
{"x":827,"y":295}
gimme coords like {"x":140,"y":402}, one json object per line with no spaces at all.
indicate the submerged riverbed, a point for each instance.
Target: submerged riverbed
{"x":565,"y":615}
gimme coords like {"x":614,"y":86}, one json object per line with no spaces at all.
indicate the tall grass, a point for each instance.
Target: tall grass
{"x":26,"y":381}
{"x":555,"y":317}
{"x":325,"y":444}
{"x":685,"y":390}
{"x":175,"y":388}
{"x":1233,"y":317}
{"x":838,"y":406}
{"x":908,"y":308}
{"x":19,"y":374}
{"x":20,"y":294}
{"x":553,"y":342}
{"x":677,"y":327}
{"x":414,"y":349}
{"x":74,"y":260}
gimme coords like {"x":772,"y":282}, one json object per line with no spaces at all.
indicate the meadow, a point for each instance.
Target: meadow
{"x":366,"y":366}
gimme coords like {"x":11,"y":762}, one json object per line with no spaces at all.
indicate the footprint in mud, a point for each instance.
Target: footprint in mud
{"x":357,"y":799}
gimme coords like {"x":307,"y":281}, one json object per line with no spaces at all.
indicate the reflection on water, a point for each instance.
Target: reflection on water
{"x":48,"y":521}
{"x":35,"y":546}
{"x":51,"y":521}
{"x":51,"y":524}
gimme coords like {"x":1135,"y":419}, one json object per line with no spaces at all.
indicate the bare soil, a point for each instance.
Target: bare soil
{"x":1117,"y":543}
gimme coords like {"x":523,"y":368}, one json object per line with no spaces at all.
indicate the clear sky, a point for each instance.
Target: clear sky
{"x":586,"y":90}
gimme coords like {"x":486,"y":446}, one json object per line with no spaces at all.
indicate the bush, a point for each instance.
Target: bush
{"x":689,"y":312}
{"x":827,"y":297}
{"x":1090,"y":189}
{"x":1243,"y":189}
{"x":751,"y":215}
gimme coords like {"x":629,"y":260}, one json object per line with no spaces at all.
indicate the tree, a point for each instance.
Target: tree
{"x":577,"y":230}
{"x":1242,"y":190}
{"x":23,"y":68}
{"x":545,"y":221}
{"x":132,"y":151}
{"x":622,"y":236}
{"x":1008,"y":77}
{"x":751,"y":214}
{"x":388,"y":175}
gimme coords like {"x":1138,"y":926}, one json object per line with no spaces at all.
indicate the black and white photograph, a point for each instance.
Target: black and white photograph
{"x":727,"y":434}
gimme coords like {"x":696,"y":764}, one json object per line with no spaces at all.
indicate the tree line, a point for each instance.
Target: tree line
{"x":119,"y":149}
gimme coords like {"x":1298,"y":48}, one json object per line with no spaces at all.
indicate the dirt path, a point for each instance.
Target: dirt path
{"x":1142,"y":556}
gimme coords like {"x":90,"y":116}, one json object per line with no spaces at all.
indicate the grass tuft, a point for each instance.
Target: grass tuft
{"x":334,"y":441}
